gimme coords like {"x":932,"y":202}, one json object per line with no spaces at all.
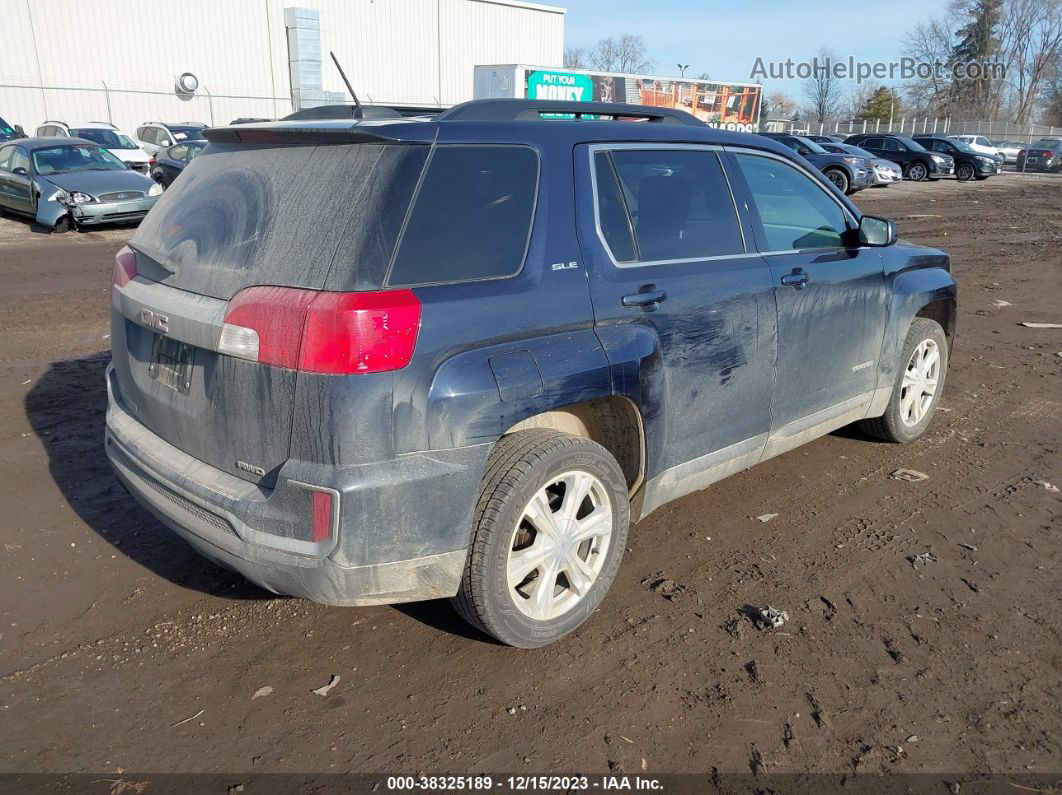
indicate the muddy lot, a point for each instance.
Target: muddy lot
{"x":113,"y":632}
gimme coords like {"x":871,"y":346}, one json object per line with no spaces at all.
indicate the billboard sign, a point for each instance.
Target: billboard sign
{"x":730,"y":106}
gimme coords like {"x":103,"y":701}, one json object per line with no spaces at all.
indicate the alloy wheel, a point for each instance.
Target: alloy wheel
{"x":559,"y":545}
{"x":919,"y":386}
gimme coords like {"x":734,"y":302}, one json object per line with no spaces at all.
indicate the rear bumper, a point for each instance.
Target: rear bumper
{"x":385,"y":513}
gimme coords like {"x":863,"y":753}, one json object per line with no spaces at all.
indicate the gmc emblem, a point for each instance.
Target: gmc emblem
{"x":155,"y":320}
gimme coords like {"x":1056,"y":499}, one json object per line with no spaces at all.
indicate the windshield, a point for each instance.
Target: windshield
{"x":68,"y":158}
{"x":855,"y":150}
{"x":7,"y":132}
{"x":814,"y":147}
{"x":186,"y":133}
{"x":962,"y":146}
{"x":108,"y":138}
{"x":910,"y":143}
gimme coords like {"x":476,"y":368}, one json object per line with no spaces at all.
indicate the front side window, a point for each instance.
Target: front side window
{"x":20,"y":161}
{"x":471,"y":218}
{"x":794,"y":211}
{"x":678,"y":203}
{"x":894,"y":146}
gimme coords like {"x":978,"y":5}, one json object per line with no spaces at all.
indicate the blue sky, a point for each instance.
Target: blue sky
{"x":724,"y":39}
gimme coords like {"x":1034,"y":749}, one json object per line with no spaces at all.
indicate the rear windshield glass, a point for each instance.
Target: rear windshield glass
{"x":472,"y":216}
{"x":243,"y":215}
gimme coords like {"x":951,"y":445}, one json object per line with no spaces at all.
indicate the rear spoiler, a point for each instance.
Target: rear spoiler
{"x":394,"y":131}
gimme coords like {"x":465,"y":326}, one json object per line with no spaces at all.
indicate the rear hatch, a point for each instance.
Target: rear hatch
{"x":297,"y":208}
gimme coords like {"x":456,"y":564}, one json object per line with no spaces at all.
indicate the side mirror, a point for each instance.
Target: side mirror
{"x":19,"y":132}
{"x":875,"y":231}
{"x":20,"y":171}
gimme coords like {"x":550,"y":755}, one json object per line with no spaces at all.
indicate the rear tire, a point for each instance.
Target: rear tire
{"x":911,"y":407}
{"x":547,"y":498}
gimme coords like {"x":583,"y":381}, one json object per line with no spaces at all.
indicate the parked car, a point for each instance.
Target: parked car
{"x":374,"y":407}
{"x":9,"y":132}
{"x":1009,"y":150}
{"x":969,"y":163}
{"x":170,"y":162}
{"x":847,"y":172}
{"x":979,"y":143}
{"x":884,"y":172}
{"x":917,"y":162}
{"x":248,"y":120}
{"x":1041,"y":156}
{"x":826,"y":139}
{"x":71,"y":181}
{"x":103,"y":133}
{"x":156,"y":135}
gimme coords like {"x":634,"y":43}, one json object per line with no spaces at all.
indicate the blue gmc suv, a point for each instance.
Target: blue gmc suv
{"x":390,"y":359}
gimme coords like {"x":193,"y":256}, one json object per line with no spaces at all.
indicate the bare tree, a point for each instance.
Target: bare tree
{"x":822,"y":89}
{"x":574,"y":58}
{"x":781,"y":105}
{"x":1031,"y":43}
{"x":930,"y":43}
{"x":623,"y":53}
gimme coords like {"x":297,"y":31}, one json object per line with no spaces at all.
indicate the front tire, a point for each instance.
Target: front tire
{"x":839,"y":179}
{"x":548,"y":536}
{"x":917,"y":172}
{"x":919,"y":385}
{"x":965,"y":172}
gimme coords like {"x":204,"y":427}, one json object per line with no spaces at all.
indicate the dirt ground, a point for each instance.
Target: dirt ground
{"x":113,"y":632}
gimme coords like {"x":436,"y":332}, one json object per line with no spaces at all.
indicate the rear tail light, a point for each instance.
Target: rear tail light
{"x":123,"y":270}
{"x":1021,"y":153}
{"x":322,"y":332}
{"x":151,"y":160}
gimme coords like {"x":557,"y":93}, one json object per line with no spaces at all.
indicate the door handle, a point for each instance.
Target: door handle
{"x":646,"y":297}
{"x":798,"y":278}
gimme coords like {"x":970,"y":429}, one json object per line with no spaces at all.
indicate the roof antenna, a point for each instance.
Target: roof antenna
{"x":349,"y":87}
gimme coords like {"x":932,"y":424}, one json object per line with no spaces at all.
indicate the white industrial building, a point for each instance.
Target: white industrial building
{"x":119,"y":60}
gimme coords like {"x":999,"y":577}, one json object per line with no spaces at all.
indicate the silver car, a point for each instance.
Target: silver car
{"x":67,"y":182}
{"x":884,"y":172}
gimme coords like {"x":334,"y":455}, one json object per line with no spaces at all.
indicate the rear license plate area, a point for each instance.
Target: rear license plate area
{"x":171,"y":363}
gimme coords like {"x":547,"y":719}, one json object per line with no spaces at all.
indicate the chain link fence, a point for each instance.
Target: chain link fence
{"x":993,"y":130}
{"x":29,"y":104}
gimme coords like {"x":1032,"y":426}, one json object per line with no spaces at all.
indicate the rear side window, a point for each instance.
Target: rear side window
{"x":679,"y":203}
{"x":612,"y":214}
{"x":471,"y":218}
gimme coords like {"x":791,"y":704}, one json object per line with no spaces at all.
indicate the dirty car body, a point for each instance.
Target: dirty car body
{"x":487,"y":281}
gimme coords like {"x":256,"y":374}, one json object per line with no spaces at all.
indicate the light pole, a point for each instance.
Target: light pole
{"x":682,"y":69}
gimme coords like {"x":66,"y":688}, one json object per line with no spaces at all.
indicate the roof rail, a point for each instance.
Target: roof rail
{"x":533,"y":110}
{"x":344,"y":112}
